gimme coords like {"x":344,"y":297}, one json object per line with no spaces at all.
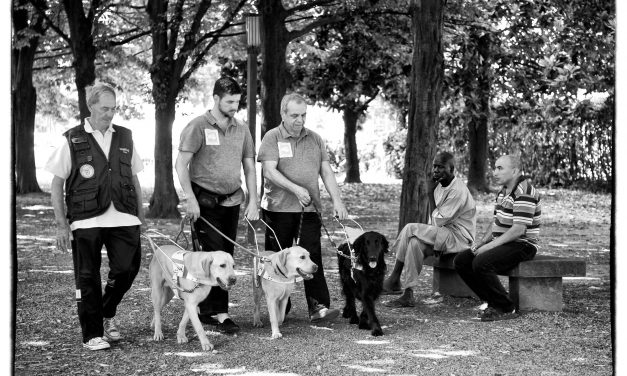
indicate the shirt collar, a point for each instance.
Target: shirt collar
{"x":212,"y":120}
{"x":89,"y":129}
{"x":286,"y":134}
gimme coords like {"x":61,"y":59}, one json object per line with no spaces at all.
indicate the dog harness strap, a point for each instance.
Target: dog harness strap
{"x":180,"y":271}
{"x":263,"y":273}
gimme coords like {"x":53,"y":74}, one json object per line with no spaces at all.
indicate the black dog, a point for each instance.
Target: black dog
{"x":367,"y":280}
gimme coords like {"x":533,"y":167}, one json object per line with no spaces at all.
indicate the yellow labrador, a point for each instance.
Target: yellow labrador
{"x":276,"y":282}
{"x":208,"y":268}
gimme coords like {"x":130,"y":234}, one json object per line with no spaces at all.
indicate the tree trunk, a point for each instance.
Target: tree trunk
{"x":274,"y":73}
{"x":83,"y":50}
{"x":424,"y":107}
{"x":350,"y":146}
{"x":24,"y":106}
{"x":164,"y":200}
{"x":478,"y":125}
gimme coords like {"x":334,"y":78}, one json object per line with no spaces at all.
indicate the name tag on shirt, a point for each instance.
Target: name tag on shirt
{"x":212,"y":137}
{"x":285,"y":150}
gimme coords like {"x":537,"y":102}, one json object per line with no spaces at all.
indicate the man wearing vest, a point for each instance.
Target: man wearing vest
{"x":213,"y":149}
{"x":293,"y":157}
{"x":98,"y":165}
{"x":510,"y":239}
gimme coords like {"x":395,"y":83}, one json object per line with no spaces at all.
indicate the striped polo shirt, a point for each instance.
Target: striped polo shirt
{"x":521,"y":206}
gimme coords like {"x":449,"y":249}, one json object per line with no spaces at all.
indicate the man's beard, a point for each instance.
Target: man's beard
{"x":226,"y":114}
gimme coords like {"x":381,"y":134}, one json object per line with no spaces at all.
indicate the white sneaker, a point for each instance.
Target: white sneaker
{"x":96,"y":343}
{"x":322,"y":313}
{"x":111,"y":329}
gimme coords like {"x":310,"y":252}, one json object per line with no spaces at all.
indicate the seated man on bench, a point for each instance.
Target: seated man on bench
{"x":511,"y":238}
{"x":452,"y":230}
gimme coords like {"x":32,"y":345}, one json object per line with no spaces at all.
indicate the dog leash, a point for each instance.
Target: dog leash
{"x":234,"y":243}
{"x":197,"y":281}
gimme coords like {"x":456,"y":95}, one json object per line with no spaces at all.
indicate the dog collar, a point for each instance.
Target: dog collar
{"x":263,"y":273}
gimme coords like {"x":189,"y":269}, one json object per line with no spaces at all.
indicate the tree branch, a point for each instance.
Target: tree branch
{"x":310,"y":5}
{"x":41,"y":8}
{"x":312,"y":25}
{"x":216,"y":36}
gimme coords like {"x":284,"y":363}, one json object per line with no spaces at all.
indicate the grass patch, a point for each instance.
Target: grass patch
{"x":437,"y":337}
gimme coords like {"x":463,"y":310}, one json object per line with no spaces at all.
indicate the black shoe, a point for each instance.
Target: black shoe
{"x":494,"y":314}
{"x":207,"y":319}
{"x":227,"y":326}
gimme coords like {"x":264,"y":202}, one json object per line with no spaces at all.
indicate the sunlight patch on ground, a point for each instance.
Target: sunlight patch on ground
{"x":38,"y":238}
{"x":372,"y":342}
{"x":37,"y":207}
{"x":380,"y":362}
{"x":442,"y":353}
{"x":35,"y":343}
{"x":365,"y":369}
{"x":320,"y":327}
{"x":51,"y":271}
{"x":187,"y":354}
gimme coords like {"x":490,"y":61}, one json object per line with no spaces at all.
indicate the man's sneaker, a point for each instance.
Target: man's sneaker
{"x":111,"y":329}
{"x":96,"y":343}
{"x":322,"y":313}
{"x":227,"y":326}
{"x":493,"y":314}
{"x":208,"y":319}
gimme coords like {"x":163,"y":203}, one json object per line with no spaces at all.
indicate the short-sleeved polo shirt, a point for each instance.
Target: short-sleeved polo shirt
{"x":218,"y":153}
{"x":520,"y":206}
{"x":299,"y":159}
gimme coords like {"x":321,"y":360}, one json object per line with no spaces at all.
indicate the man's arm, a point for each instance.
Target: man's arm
{"x":140,"y":200}
{"x":182,"y":170}
{"x":328,"y":178}
{"x":250,"y":174}
{"x":515,"y":232}
{"x":271,"y":173}
{"x":63,"y":228}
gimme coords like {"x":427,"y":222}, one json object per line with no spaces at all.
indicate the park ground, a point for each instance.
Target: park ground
{"x":440,"y":336}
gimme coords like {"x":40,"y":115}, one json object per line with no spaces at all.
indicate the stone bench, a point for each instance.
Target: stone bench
{"x":533,"y":285}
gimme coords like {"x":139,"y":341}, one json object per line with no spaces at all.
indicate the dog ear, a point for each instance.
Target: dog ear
{"x":206,"y":263}
{"x":278,"y":262}
{"x":358,"y":245}
{"x":384,"y":243}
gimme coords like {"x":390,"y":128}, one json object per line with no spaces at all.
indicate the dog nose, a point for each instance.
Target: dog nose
{"x":232,"y":280}
{"x":315,"y":268}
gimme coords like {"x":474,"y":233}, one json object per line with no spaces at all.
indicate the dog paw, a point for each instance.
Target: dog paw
{"x":206,"y":346}
{"x":158,"y":336}
{"x":363,"y":325}
{"x":181,"y":338}
{"x":354,"y":320}
{"x":277,"y":335}
{"x":376,"y":332}
{"x":258,"y":324}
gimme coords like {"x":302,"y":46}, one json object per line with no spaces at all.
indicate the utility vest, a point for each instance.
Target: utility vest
{"x":94,"y":181}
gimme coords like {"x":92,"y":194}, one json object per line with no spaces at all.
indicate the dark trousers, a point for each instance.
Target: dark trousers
{"x":286,"y":226}
{"x":124,"y":253}
{"x":225,"y":219}
{"x":480,"y":272}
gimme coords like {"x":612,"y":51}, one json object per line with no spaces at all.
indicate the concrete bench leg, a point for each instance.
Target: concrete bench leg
{"x":448,"y":282}
{"x":540,"y":293}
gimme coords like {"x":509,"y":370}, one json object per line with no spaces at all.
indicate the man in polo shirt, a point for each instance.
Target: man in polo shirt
{"x":510,"y":239}
{"x":212,"y":151}
{"x":293,"y":157}
{"x":98,"y":165}
{"x":451,"y":230}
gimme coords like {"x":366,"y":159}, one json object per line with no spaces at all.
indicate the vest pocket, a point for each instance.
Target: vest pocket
{"x":125,"y":166}
{"x":85,"y":201}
